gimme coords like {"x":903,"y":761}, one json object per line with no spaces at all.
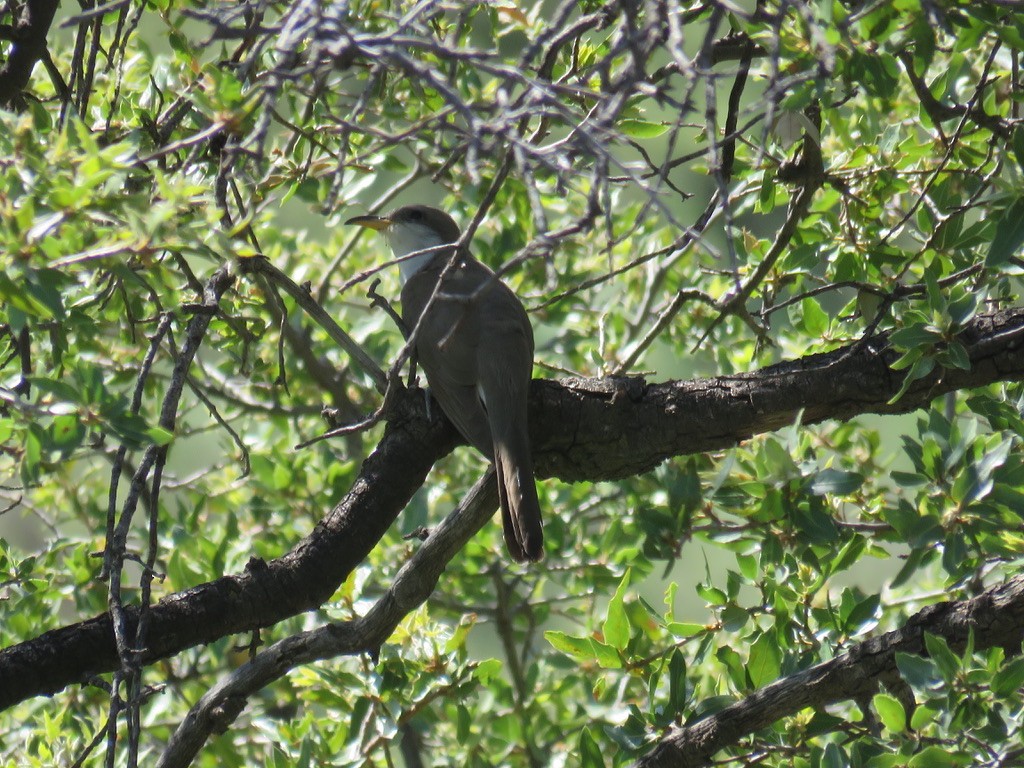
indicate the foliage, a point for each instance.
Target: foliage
{"x":592,"y":143}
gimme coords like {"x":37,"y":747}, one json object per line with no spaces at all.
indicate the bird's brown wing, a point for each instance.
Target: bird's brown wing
{"x":475,"y":345}
{"x":446,"y":347}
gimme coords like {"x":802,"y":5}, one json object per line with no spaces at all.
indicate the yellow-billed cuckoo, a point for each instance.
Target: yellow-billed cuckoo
{"x":475,"y":345}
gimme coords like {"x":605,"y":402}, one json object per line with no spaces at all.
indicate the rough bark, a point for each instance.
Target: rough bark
{"x":581,"y":429}
{"x":263,"y":594}
{"x":586,"y":429}
{"x":996,"y":617}
{"x":29,"y":46}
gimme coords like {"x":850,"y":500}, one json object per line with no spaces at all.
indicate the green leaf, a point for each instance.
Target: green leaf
{"x":590,"y":752}
{"x":955,"y":356}
{"x":918,"y":671}
{"x":863,"y":612}
{"x":814,"y":520}
{"x":463,"y":723}
{"x":642,"y":129}
{"x":1018,"y":146}
{"x":159,"y":435}
{"x":1009,"y":235}
{"x":458,"y":639}
{"x":734,"y":618}
{"x":1009,"y":679}
{"x":936,"y":296}
{"x":919,"y":370}
{"x":584,"y":649}
{"x":815,"y":320}
{"x":670,"y":601}
{"x":713,"y":595}
{"x":179,"y":42}
{"x":916,"y":335}
{"x":766,"y":197}
{"x":607,"y":656}
{"x":488,"y":670}
{"x":848,"y":555}
{"x":922,"y":717}
{"x":908,"y":479}
{"x":685,"y":629}
{"x":946,"y":661}
{"x":835,"y":481}
{"x":822,"y":723}
{"x":734,"y":665}
{"x":938,"y":757}
{"x":67,"y":432}
{"x":765,"y":660}
{"x":578,"y":647}
{"x":677,"y":682}
{"x":890,"y":712}
{"x":834,"y":757}
{"x":910,"y":358}
{"x":616,"y":623}
{"x":961,"y":309}
{"x":748,"y":566}
{"x":31,"y":457}
{"x":955,"y":554}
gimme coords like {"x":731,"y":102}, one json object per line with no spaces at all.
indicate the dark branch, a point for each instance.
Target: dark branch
{"x":29,"y":47}
{"x":581,"y":429}
{"x":410,"y":589}
{"x":995,"y":617}
{"x":589,"y":429}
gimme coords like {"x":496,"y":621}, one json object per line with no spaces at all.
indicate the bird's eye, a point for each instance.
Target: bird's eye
{"x":415,"y":215}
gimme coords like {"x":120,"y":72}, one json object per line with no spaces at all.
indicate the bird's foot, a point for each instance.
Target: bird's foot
{"x":421,"y":533}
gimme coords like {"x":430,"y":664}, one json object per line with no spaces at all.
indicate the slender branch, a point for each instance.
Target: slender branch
{"x":940,"y":113}
{"x":303,"y":298}
{"x":810,"y":169}
{"x":218,"y":708}
{"x":130,"y":642}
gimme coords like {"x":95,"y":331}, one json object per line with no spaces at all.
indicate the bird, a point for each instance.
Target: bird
{"x":473,"y":340}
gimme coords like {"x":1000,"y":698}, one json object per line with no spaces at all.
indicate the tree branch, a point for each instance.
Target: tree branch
{"x":265,"y":592}
{"x":29,"y":47}
{"x":581,"y":430}
{"x":303,"y":298}
{"x":412,"y":586}
{"x":607,"y":429}
{"x":995,"y":617}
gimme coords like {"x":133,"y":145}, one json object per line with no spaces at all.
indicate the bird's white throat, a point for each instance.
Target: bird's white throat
{"x":409,"y":237}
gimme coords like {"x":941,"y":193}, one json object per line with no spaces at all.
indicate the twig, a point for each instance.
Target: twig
{"x":262,"y":266}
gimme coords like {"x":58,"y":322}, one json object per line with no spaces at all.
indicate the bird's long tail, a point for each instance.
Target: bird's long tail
{"x":517,"y":491}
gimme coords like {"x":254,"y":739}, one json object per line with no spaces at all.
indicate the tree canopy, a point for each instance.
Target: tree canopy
{"x":770,"y":252}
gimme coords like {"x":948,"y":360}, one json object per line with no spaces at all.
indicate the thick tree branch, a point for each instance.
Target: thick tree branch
{"x":995,"y":617}
{"x":581,"y":429}
{"x":29,"y":47}
{"x":586,"y":429}
{"x":265,"y":592}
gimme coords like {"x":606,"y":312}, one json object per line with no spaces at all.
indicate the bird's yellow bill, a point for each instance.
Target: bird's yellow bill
{"x":373,"y":222}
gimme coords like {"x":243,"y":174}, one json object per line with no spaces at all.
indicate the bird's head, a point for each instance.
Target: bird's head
{"x":413,"y":228}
